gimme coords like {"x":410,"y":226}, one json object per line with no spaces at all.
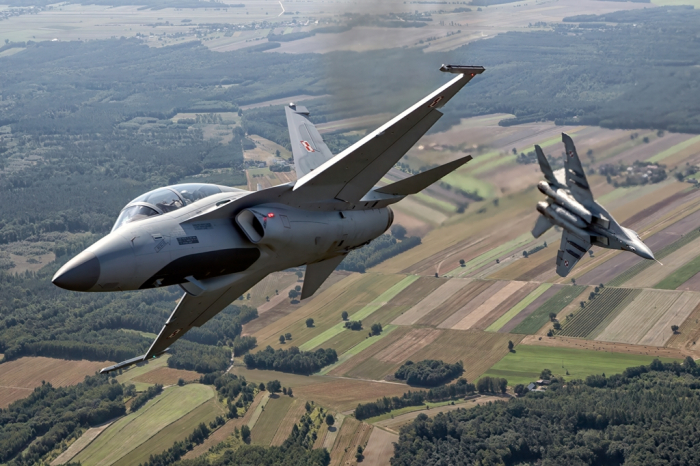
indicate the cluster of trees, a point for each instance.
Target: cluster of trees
{"x":646,"y":415}
{"x":429,"y":372}
{"x":639,"y":173}
{"x":353,"y":324}
{"x":33,"y":426}
{"x":291,"y":360}
{"x":417,"y":398}
{"x":242,"y":345}
{"x":151,"y":392}
{"x":491,"y":385}
{"x":376,"y":252}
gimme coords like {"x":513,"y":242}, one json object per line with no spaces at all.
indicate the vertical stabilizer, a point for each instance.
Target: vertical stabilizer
{"x":575,"y":177}
{"x":308,"y":147}
{"x":546,"y":168}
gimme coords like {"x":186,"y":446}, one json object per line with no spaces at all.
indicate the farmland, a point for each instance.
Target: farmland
{"x":525,"y":365}
{"x":536,"y":315}
{"x":18,"y":378}
{"x":177,"y":431}
{"x":270,"y":419}
{"x":127,"y":433}
{"x":585,"y":321}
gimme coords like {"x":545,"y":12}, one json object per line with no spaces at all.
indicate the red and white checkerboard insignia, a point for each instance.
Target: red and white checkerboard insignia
{"x":566,"y":263}
{"x":307,"y":146}
{"x":174,"y":333}
{"x":571,"y":153}
{"x":436,"y":101}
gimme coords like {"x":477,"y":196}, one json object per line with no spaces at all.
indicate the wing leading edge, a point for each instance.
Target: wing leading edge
{"x":353,"y":173}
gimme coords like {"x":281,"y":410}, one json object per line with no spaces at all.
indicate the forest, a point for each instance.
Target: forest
{"x":53,"y":415}
{"x":646,"y":415}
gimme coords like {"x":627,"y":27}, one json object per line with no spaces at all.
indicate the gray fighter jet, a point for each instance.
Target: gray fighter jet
{"x":571,"y":206}
{"x":216,"y":242}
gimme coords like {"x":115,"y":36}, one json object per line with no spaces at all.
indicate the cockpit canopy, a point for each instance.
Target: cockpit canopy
{"x":163,"y":200}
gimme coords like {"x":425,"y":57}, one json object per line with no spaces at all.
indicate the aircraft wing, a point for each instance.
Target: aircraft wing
{"x":191,"y":311}
{"x":308,"y":148}
{"x":575,"y":177}
{"x":351,"y":174}
{"x":571,"y":250}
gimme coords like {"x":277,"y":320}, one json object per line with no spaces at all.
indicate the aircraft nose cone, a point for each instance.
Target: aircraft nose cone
{"x":79,"y":274}
{"x":645,"y":253}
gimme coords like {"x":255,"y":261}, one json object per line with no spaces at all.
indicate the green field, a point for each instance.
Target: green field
{"x":177,"y":431}
{"x":555,"y":304}
{"x":680,"y":276}
{"x":362,"y":314}
{"x":505,"y":318}
{"x":132,"y":430}
{"x":270,"y":419}
{"x":584,"y":322}
{"x":524,"y":366}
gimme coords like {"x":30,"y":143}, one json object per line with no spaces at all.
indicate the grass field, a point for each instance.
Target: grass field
{"x":19,"y":378}
{"x":540,"y":316}
{"x":525,"y":365}
{"x":177,"y":431}
{"x":270,"y":419}
{"x":126,"y":434}
{"x":585,"y":321}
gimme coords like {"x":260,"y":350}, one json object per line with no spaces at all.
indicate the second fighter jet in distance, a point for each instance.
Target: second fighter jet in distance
{"x":571,"y":206}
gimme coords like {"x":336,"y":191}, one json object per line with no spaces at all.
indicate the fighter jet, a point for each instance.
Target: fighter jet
{"x":570,"y":205}
{"x":216,"y":242}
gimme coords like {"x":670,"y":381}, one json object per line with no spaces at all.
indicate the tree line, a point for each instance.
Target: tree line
{"x":414,"y":398}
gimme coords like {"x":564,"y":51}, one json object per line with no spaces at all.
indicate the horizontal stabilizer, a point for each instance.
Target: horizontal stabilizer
{"x":128,"y":362}
{"x":416,"y":183}
{"x":541,"y":226}
{"x":317,"y":273}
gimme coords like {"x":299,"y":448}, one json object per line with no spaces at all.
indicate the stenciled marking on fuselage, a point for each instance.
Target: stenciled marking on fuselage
{"x":160,"y":245}
{"x":187,"y":240}
{"x":202,"y":226}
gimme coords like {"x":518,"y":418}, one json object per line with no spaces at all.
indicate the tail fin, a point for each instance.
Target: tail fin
{"x":545,"y":167}
{"x":575,"y":177}
{"x":308,"y":147}
{"x":417,"y":183}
